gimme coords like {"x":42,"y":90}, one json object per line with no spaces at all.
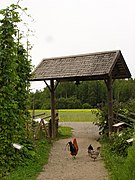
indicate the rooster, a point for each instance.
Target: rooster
{"x":93,"y":153}
{"x":73,"y":147}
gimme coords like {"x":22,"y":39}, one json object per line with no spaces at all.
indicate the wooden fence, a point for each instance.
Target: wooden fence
{"x":44,"y":124}
{"x":122,"y":121}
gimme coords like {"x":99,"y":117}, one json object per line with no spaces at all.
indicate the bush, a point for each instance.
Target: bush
{"x":68,"y":103}
{"x":119,"y":144}
{"x":120,"y":168}
{"x":86,"y":106}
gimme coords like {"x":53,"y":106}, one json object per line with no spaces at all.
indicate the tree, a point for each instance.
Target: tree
{"x":15,"y":71}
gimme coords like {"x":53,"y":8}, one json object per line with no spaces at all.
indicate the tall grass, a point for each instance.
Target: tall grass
{"x":120,"y":168}
{"x":73,"y":115}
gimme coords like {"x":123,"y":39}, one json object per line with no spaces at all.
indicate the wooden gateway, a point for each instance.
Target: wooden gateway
{"x":106,"y":66}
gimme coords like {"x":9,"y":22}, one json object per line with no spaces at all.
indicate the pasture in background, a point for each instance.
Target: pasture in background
{"x":72,"y":115}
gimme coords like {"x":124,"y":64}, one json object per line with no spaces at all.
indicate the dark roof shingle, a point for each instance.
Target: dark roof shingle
{"x":83,"y":67}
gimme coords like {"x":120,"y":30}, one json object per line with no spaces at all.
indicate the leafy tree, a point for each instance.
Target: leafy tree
{"x":92,"y":92}
{"x":124,"y":90}
{"x":86,"y":106}
{"x":15,"y":71}
{"x":68,"y":103}
{"x":65,"y":90}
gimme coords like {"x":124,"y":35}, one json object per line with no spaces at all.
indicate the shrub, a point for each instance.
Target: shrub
{"x":119,"y":144}
{"x":68,"y":103}
{"x":86,"y":106}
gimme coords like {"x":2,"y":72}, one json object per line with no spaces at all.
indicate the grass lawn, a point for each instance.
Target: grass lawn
{"x":73,"y":115}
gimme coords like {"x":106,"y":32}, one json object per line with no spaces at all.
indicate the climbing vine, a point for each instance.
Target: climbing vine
{"x":15,"y":68}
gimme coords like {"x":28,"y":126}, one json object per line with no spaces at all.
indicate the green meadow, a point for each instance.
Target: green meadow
{"x":72,"y":115}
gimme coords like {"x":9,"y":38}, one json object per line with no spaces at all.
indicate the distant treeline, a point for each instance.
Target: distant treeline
{"x":87,"y":94}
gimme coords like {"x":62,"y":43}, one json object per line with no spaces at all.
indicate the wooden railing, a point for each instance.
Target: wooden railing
{"x":121,"y":121}
{"x":44,"y":123}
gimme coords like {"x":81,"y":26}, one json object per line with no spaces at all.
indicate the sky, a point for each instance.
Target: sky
{"x":71,"y":27}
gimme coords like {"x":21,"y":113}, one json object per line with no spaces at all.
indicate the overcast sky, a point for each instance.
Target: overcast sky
{"x":70,"y":27}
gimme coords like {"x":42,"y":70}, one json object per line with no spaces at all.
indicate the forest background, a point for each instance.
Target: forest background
{"x":86,"y":95}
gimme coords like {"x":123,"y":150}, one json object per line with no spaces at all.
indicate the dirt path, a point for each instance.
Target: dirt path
{"x":62,"y":166}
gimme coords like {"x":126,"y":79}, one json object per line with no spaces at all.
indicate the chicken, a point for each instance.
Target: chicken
{"x":93,"y":153}
{"x":73,"y":147}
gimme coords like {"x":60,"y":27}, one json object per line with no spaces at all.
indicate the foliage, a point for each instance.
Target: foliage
{"x":91,"y":92}
{"x":102,"y":115}
{"x":121,"y":168}
{"x":33,"y":164}
{"x":37,"y":158}
{"x":86,"y":106}
{"x":127,"y":171}
{"x":119,"y":144}
{"x":118,"y":108}
{"x":112,"y":160}
{"x":124,"y":90}
{"x":68,"y":103}
{"x":130,"y":105}
{"x":14,"y":87}
{"x":68,"y":95}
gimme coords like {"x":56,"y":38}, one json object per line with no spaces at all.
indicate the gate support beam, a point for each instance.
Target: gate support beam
{"x":53,"y":124}
{"x":52,"y":89}
{"x":109,"y":84}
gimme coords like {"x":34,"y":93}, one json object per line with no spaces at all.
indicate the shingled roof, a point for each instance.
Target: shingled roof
{"x":94,"y":66}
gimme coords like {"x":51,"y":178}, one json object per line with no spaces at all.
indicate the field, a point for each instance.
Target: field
{"x":72,"y":115}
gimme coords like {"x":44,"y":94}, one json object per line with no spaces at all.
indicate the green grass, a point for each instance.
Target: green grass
{"x":31,"y":167}
{"x":73,"y":115}
{"x":112,"y":161}
{"x":119,"y":167}
{"x":64,"y":132}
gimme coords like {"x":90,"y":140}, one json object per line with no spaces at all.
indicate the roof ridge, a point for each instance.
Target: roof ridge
{"x":80,"y":55}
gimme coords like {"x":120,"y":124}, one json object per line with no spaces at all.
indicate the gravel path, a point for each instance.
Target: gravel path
{"x":62,"y":166}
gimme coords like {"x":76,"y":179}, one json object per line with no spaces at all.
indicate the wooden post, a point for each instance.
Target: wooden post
{"x":110,"y":104}
{"x":53,"y":124}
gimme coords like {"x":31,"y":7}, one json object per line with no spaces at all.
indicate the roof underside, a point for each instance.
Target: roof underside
{"x":95,"y":66}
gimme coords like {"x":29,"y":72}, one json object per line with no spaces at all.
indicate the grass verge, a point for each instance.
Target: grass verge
{"x":30,"y":169}
{"x":119,"y":167}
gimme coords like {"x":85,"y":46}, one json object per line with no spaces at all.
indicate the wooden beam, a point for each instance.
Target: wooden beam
{"x":52,"y":89}
{"x":109,"y":83}
{"x":53,"y":124}
{"x":47,"y":86}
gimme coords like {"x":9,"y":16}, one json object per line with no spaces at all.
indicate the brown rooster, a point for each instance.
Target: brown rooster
{"x":73,"y":147}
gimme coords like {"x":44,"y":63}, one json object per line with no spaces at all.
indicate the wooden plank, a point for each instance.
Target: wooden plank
{"x":39,"y":120}
{"x":132,"y":113}
{"x":126,"y":117}
{"x":118,"y":124}
{"x":44,"y":126}
{"x":40,"y":114}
